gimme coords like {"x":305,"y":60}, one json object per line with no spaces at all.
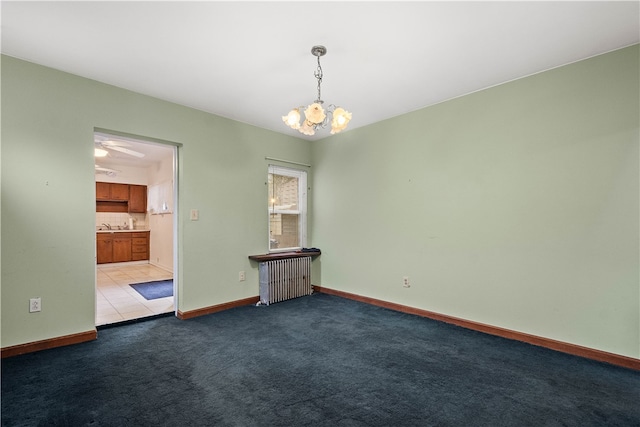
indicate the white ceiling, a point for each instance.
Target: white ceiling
{"x":251,"y":61}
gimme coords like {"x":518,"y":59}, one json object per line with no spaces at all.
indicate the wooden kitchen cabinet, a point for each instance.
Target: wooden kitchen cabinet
{"x":122,"y":246}
{"x":104,"y":243}
{"x":139,"y":246}
{"x":120,"y":192}
{"x":137,"y":198}
{"x":103,"y":191}
{"x":112,"y":192}
{"x":112,"y":197}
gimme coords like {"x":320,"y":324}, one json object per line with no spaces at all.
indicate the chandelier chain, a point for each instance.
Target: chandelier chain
{"x":318,"y":75}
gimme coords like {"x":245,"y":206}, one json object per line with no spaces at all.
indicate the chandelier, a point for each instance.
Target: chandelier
{"x":314,"y":115}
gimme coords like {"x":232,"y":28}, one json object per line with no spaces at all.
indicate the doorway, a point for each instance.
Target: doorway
{"x":135,"y":238}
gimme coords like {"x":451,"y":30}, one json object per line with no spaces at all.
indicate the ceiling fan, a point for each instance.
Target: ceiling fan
{"x":106,"y":171}
{"x":120,"y":146}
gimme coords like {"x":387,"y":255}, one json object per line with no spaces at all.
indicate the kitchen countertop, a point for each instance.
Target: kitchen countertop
{"x":100,"y":230}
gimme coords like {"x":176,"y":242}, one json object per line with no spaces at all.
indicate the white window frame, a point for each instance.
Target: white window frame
{"x":302,"y":206}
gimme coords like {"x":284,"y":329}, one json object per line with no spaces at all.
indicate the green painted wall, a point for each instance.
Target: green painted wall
{"x":48,"y":196}
{"x":516,"y":206}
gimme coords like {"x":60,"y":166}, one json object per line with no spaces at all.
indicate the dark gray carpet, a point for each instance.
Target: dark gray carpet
{"x":314,"y":361}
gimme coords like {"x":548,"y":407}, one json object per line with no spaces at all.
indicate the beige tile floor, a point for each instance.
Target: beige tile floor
{"x":116,"y":301}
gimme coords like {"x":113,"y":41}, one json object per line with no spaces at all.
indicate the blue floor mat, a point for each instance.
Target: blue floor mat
{"x":154,"y":290}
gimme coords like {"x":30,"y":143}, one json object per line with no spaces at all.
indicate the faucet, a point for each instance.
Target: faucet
{"x":107,"y":225}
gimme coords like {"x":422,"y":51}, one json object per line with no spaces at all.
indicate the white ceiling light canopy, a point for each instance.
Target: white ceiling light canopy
{"x":314,"y":115}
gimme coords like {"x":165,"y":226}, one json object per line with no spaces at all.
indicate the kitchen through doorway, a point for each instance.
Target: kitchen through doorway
{"x":136,"y":227}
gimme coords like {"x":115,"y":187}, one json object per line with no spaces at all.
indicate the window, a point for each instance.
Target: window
{"x":287,"y":208}
{"x":160,"y":198}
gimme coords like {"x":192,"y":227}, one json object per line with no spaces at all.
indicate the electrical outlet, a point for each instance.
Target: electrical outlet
{"x":35,"y":305}
{"x":405,"y":282}
{"x":242,"y":277}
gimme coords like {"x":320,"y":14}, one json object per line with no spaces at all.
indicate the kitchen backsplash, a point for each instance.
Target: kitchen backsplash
{"x":122,"y":220}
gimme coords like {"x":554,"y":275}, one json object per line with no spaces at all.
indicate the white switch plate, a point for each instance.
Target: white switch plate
{"x":242,"y":277}
{"x":194,"y":214}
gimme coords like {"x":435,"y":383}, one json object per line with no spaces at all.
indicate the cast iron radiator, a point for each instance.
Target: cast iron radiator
{"x":283,"y":279}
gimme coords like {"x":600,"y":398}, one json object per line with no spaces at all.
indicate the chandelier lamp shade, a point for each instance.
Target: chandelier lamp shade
{"x":315,"y":115}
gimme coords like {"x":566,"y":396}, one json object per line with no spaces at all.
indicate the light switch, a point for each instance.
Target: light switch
{"x":194,"y":214}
